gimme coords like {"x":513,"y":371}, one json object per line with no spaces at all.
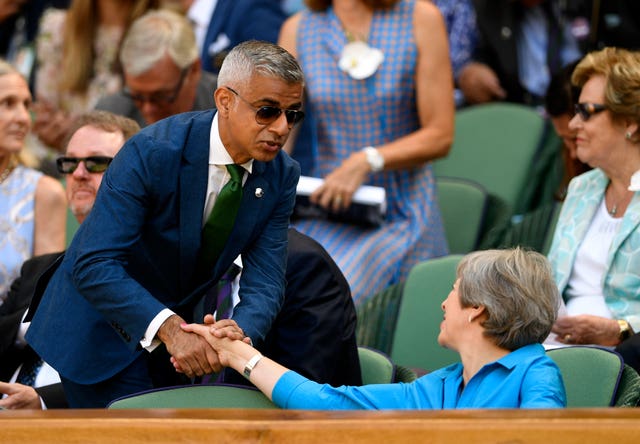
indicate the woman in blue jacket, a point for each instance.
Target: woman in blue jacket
{"x":502,"y":305}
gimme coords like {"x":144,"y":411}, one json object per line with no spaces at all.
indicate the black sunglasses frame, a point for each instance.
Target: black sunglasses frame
{"x":93,"y":164}
{"x":266,"y":115}
{"x":586,"y":110}
{"x":159,"y":98}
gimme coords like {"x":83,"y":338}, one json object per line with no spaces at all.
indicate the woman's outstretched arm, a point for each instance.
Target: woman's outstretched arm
{"x":242,"y":357}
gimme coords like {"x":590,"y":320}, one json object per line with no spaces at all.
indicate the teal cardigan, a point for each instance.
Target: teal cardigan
{"x":621,"y":283}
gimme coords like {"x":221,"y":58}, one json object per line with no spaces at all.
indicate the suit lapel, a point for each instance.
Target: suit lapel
{"x":193,"y":187}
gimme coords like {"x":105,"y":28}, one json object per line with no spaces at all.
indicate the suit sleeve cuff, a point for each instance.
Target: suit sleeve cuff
{"x":149,"y":342}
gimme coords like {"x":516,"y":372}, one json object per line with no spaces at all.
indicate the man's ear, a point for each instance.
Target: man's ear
{"x":222,"y":97}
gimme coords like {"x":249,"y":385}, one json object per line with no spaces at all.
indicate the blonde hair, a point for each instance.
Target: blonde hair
{"x":80,"y":31}
{"x":24,"y":157}
{"x":621,"y":69}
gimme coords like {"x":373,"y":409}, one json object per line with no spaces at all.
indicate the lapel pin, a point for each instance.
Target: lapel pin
{"x":259,"y":192}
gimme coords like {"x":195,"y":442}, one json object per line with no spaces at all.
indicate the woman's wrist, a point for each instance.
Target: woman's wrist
{"x":250,"y":365}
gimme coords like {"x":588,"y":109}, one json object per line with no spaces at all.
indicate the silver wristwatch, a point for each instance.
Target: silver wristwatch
{"x":375,"y":159}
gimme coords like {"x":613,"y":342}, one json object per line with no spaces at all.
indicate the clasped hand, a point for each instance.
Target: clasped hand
{"x":191,"y":351}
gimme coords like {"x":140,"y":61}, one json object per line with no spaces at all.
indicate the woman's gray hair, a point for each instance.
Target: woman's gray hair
{"x":257,"y":57}
{"x":518,"y":291}
{"x":155,"y":34}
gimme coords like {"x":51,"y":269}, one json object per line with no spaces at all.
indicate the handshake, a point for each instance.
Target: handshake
{"x":200,"y":349}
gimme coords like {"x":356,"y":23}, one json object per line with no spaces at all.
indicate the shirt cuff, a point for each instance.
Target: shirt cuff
{"x":149,"y":341}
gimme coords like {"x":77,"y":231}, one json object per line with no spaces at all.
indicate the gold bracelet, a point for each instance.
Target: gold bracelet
{"x":251,"y":363}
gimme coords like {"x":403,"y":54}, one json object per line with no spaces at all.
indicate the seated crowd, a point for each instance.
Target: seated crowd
{"x":175,"y":134}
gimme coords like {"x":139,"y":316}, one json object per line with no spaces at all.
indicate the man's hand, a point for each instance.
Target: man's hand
{"x":587,"y":329}
{"x":480,"y":84}
{"x":190,"y":353}
{"x":226,"y":328}
{"x":19,"y":396}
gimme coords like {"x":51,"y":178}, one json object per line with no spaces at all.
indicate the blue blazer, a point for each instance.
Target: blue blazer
{"x":235,"y":21}
{"x":136,"y":253}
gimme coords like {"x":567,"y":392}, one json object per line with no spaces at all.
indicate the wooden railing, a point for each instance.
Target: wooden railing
{"x":217,"y":426}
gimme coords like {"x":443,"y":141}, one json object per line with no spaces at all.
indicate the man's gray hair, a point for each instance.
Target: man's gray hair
{"x":518,"y":291}
{"x":155,"y":34}
{"x":262,"y":58}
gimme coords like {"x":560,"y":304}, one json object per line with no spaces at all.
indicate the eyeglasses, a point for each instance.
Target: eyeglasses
{"x":266,"y":115}
{"x":159,"y":98}
{"x":586,"y":110}
{"x":93,"y":164}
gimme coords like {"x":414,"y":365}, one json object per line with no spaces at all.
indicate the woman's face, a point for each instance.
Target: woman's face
{"x":15,"y":120}
{"x":455,"y":319}
{"x":599,"y":140}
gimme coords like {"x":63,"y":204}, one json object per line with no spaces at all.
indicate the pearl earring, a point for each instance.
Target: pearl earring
{"x":628,"y":135}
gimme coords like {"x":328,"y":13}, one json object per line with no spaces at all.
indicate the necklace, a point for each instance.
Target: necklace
{"x":5,"y":173}
{"x":614,"y":208}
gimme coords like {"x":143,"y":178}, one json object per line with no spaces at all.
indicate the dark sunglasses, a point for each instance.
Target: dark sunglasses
{"x":266,"y":115}
{"x":586,"y":110}
{"x":159,"y":98}
{"x":93,"y":164}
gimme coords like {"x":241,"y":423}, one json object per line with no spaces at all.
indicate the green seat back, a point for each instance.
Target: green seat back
{"x":462,"y":206}
{"x":628,"y":393}
{"x":494,"y":146}
{"x":377,"y":318}
{"x":72,"y":226}
{"x":590,"y":375}
{"x":196,"y":396}
{"x":376,"y":367}
{"x":415,"y":342}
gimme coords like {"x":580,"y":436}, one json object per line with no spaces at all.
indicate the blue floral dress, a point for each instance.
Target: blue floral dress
{"x":17,"y":199}
{"x":352,"y":114}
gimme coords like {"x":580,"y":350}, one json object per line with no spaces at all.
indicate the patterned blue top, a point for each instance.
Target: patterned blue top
{"x":525,"y":378}
{"x":17,"y":198}
{"x":352,"y":114}
{"x":460,"y":18}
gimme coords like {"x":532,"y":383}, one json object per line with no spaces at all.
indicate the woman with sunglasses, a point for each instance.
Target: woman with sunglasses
{"x":380,"y":90}
{"x":32,"y":205}
{"x":595,"y":247}
{"x":501,"y":306}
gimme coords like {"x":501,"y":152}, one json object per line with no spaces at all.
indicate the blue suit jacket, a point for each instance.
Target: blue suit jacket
{"x":136,"y":253}
{"x":235,"y":21}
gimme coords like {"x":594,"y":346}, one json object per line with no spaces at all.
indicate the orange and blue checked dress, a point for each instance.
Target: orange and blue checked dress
{"x":352,"y":114}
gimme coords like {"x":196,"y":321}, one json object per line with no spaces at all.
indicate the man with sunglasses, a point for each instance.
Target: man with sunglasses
{"x":162,"y":71}
{"x":94,"y":140}
{"x":137,"y":266}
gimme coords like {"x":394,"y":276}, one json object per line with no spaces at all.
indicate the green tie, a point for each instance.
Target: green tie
{"x":220,"y":222}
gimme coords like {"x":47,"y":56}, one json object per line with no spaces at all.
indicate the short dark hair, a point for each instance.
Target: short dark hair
{"x":106,"y":121}
{"x":561,"y":94}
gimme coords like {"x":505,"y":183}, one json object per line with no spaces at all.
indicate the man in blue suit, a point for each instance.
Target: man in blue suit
{"x":132,"y":274}
{"x":234,"y":21}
